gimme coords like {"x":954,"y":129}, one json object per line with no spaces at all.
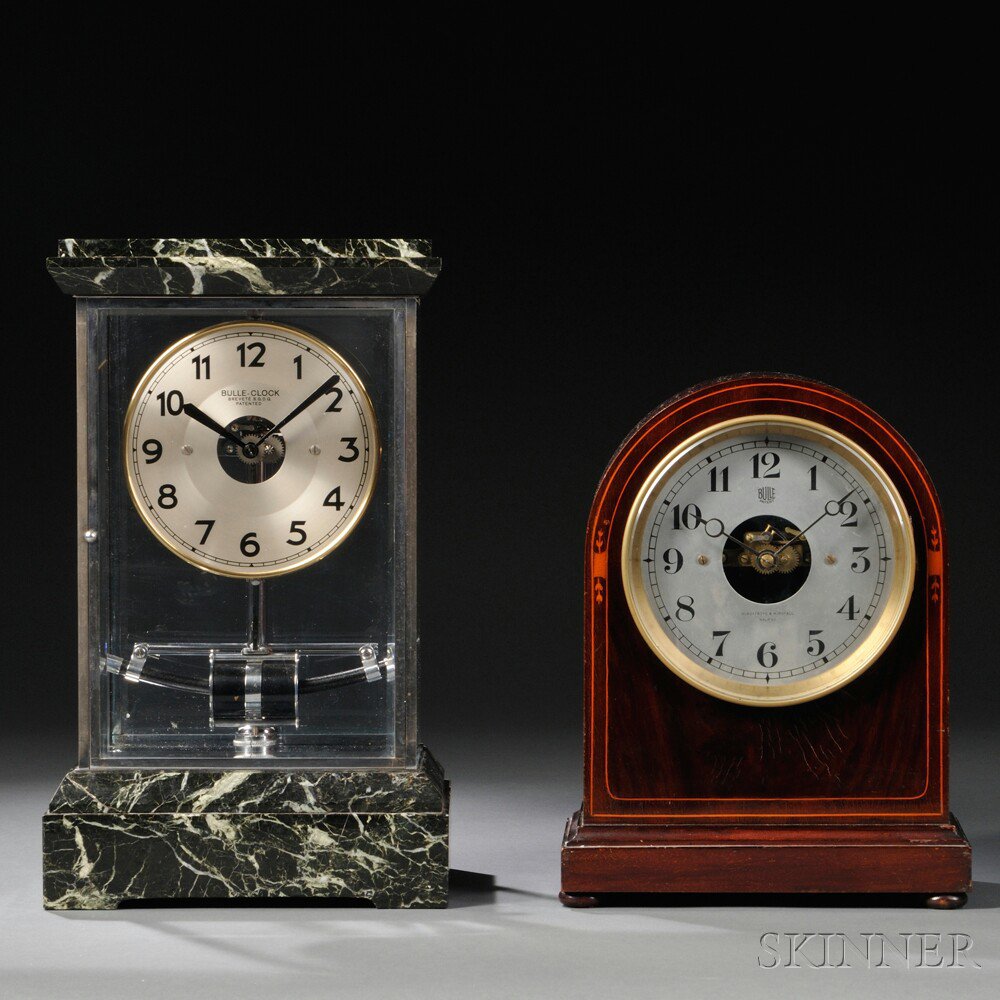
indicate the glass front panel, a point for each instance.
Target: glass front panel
{"x":250,"y":589}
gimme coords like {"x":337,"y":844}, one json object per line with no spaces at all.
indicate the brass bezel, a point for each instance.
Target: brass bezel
{"x":877,"y":638}
{"x":350,"y":524}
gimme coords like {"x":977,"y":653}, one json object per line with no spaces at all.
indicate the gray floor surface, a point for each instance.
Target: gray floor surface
{"x":504,"y":934}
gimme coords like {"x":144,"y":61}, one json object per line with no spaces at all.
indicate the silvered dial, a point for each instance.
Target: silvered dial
{"x":251,"y":449}
{"x":768,"y":560}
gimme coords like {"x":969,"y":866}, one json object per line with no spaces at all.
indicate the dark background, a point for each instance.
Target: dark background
{"x":613,"y":228}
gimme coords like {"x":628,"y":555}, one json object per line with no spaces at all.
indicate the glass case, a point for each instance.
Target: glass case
{"x":238,"y":605}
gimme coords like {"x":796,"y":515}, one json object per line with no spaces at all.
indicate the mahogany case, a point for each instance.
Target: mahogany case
{"x":684,"y":792}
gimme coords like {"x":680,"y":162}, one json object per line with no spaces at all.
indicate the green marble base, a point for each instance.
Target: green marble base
{"x":381,"y":836}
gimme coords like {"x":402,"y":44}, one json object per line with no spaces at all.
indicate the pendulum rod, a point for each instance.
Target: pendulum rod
{"x":255,"y":616}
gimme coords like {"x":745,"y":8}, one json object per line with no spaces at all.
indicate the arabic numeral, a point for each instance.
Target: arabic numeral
{"x":767,"y":655}
{"x":718,"y":480}
{"x":845,"y":508}
{"x":816,"y":645}
{"x":722,"y":636}
{"x":812,"y":478}
{"x":849,"y":611}
{"x":249,"y":545}
{"x":297,"y":361}
{"x":850,"y":509}
{"x":685,"y":608}
{"x":352,"y":450}
{"x":298,"y":535}
{"x":202,"y":366}
{"x":333,"y":499}
{"x":765,"y":465}
{"x":338,"y":395}
{"x":170,"y":402}
{"x":689,"y":517}
{"x":256,"y":361}
{"x":672,"y":561}
{"x":862,"y":564}
{"x":168,"y":496}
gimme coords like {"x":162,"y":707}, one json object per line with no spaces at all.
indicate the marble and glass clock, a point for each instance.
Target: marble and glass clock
{"x":765,"y":656}
{"x":248,"y":631}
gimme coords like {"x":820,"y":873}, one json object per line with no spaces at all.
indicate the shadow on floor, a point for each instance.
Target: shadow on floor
{"x":470,"y":889}
{"x":464,"y":889}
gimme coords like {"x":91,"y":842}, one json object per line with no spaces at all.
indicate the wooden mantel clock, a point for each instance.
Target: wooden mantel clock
{"x":766,"y":677}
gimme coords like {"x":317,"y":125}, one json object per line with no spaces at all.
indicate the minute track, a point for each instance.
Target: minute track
{"x":744,"y":670}
{"x":265,"y":524}
{"x":802,"y":598}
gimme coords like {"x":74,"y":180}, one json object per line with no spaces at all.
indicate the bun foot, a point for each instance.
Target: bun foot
{"x":947,"y":901}
{"x":577,"y":900}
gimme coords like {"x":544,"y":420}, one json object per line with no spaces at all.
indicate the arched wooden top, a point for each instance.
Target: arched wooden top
{"x":756,"y":393}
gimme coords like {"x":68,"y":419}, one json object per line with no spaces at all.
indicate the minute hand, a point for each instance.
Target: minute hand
{"x":326,"y":387}
{"x":826,"y":512}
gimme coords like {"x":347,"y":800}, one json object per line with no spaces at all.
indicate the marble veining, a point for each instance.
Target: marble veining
{"x":380,"y":836}
{"x":195,"y":791}
{"x":244,"y":266}
{"x":337,"y":247}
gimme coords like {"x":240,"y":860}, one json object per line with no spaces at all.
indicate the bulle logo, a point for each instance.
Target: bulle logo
{"x":249,"y":397}
{"x":865,"y":950}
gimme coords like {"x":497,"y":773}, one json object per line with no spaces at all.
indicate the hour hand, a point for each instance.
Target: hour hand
{"x":714,"y":528}
{"x":203,"y":418}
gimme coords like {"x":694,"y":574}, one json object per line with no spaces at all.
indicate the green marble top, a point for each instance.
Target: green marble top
{"x":234,"y":266}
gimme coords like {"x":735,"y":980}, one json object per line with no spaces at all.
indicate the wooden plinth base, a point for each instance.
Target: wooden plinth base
{"x":930,"y":860}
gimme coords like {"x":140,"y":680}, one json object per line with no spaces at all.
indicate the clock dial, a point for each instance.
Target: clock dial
{"x":251,"y":449}
{"x":768,"y":560}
